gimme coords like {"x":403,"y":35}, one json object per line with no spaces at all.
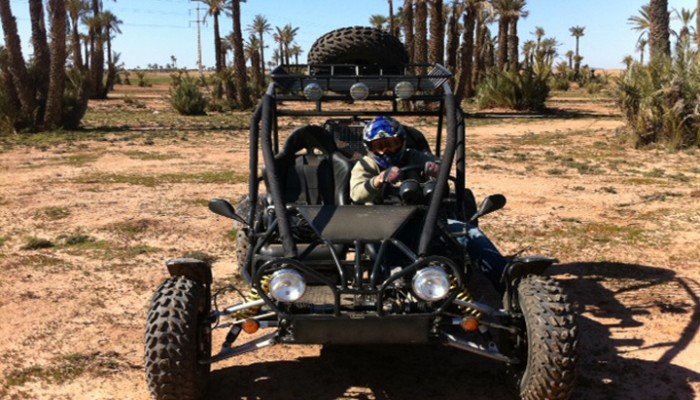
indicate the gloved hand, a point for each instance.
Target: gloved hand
{"x":432,"y":169}
{"x":390,"y":175}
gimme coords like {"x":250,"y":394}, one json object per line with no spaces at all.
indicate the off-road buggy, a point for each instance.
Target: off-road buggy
{"x":324,"y":271}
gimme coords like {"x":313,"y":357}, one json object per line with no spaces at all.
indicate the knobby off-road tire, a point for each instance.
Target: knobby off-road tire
{"x":361,"y":46}
{"x":243,"y":231}
{"x":176,"y":338}
{"x":551,"y":341}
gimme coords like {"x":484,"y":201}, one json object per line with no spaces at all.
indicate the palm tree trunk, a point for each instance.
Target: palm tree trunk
{"x":97,"y":62}
{"x":452,"y":40}
{"x":660,"y":43}
{"x":262,"y":60}
{"x":577,"y":58}
{"x":217,"y":44}
{"x":641,"y":56}
{"x":86,"y":44}
{"x":409,"y":38}
{"x":392,"y":24}
{"x":437,"y":33}
{"x":54,"y":103}
{"x":571,"y":61}
{"x":42,"y":56}
{"x":255,"y":63}
{"x":464,"y":82}
{"x":240,"y":73}
{"x":420,"y":52}
{"x":17,"y":66}
{"x":502,"y":43}
{"x":697,"y":23}
{"x":75,"y":45}
{"x":513,"y":45}
{"x":478,"y":69}
{"x":8,"y":88}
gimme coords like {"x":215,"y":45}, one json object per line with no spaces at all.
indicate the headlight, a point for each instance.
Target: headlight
{"x":404,"y":90}
{"x":359,"y":91}
{"x":287,"y":285}
{"x":431,"y":284}
{"x":313,"y":91}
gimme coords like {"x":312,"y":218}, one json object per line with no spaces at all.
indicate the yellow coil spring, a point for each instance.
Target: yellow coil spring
{"x":253,"y":296}
{"x":464,"y":295}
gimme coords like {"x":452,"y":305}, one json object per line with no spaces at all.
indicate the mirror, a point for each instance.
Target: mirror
{"x":225,"y":209}
{"x":490,"y":204}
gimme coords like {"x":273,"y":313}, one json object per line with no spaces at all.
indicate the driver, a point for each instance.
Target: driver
{"x":385,"y":140}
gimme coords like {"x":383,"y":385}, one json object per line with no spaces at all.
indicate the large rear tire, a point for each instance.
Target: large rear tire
{"x":551,"y":342}
{"x":360,"y":46}
{"x":177,"y":337}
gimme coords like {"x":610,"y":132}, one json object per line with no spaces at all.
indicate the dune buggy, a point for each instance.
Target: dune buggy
{"x":324,"y":271}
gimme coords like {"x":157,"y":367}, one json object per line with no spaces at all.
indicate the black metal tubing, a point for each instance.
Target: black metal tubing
{"x":461,"y":163}
{"x":283,"y":97}
{"x":253,"y":182}
{"x":368,"y":113}
{"x":441,"y":185}
{"x":268,"y":110}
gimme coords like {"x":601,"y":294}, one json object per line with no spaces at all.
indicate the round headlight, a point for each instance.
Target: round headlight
{"x":404,"y":90}
{"x":359,"y":91}
{"x":431,"y":284}
{"x":287,"y":285}
{"x":313,"y":91}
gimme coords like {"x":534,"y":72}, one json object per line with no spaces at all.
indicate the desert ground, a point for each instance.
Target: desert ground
{"x":88,"y":218}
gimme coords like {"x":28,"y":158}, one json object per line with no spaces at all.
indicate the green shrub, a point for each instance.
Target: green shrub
{"x":526,"y":91}
{"x":143,"y":82}
{"x":560,"y":82}
{"x":75,"y":98}
{"x":661,"y":102}
{"x":186,"y":97}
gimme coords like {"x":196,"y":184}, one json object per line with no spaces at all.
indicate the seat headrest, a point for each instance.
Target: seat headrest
{"x":309,"y":138}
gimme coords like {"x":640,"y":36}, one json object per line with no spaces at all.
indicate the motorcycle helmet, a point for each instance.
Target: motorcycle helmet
{"x":385,"y":140}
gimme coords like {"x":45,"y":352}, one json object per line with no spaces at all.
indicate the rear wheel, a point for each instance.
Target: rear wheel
{"x":550,"y":345}
{"x":178,"y":336}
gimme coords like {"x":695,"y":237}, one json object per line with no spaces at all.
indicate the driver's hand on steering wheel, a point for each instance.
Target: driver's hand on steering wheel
{"x":432,"y":169}
{"x":390,"y":175}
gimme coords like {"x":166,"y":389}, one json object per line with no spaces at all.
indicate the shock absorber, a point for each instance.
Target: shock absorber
{"x":466,"y":297}
{"x":253,"y":296}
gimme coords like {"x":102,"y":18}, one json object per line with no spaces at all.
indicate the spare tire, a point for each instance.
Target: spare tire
{"x":360,"y":46}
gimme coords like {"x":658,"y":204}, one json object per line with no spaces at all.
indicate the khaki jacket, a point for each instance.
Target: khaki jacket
{"x":362,"y":191}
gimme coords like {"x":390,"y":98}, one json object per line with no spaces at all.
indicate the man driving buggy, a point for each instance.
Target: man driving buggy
{"x":385,"y":140}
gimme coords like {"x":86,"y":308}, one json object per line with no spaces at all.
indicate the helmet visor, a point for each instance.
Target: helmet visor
{"x":390,"y":145}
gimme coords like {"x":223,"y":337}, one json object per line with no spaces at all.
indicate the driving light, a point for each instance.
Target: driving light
{"x":287,"y":285}
{"x":359,"y":91}
{"x":431,"y":284}
{"x":313,"y":91}
{"x":404,"y":90}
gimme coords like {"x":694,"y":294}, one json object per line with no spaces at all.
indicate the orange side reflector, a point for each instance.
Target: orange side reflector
{"x":468,"y":324}
{"x":251,"y":326}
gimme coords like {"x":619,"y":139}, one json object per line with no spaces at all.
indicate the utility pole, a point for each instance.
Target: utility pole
{"x":199,"y":39}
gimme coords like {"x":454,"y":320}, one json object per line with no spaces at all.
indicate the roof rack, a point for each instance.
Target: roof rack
{"x":339,"y":78}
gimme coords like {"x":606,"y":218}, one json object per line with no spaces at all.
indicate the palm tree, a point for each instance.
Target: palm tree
{"x":697,"y":23}
{"x":279,"y":39}
{"x":501,"y":7}
{"x":392,"y":22}
{"x":240,"y":73}
{"x":420,"y":52}
{"x":76,"y":9}
{"x":252,"y":50}
{"x":97,"y":60}
{"x":578,"y":32}
{"x":261,"y":26}
{"x":17,"y":66}
{"x":485,"y":16}
{"x":295,"y":51}
{"x":57,"y":75}
{"x":437,"y":33}
{"x":215,"y":8}
{"x":378,"y":21}
{"x":529,"y":53}
{"x":464,"y":81}
{"x":641,"y":22}
{"x":660,"y":34}
{"x":570,"y":57}
{"x":409,"y":38}
{"x":539,"y":34}
{"x":111,"y":25}
{"x":685,"y":16}
{"x":641,"y":46}
{"x":510,"y":12}
{"x":453,"y":36}
{"x":548,"y":52}
{"x":42,"y":55}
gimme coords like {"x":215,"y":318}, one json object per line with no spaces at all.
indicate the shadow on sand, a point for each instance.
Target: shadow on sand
{"x":607,"y":291}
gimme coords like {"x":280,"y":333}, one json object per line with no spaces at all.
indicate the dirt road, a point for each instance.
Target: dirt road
{"x":87,"y":220}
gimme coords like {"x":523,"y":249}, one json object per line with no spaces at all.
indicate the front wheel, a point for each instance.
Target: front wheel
{"x":178,"y":336}
{"x":549,"y":346}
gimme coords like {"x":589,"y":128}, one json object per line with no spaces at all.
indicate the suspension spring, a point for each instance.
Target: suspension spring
{"x":253,"y":296}
{"x":465,"y":296}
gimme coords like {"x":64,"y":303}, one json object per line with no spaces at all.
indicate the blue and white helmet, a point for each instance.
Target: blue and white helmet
{"x":384,"y":128}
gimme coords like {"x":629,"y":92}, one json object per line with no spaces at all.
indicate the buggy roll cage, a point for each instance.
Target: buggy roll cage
{"x":288,"y":81}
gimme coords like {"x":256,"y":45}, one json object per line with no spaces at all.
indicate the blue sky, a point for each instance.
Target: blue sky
{"x":154,"y":30}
